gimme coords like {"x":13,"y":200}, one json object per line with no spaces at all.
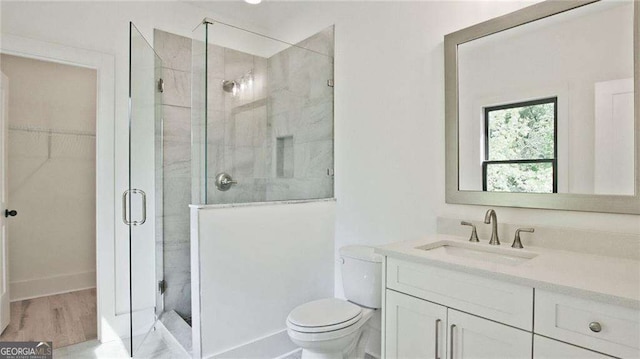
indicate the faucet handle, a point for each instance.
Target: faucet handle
{"x":516,"y":240}
{"x":474,"y":234}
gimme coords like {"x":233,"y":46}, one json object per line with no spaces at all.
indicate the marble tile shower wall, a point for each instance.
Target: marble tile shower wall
{"x":236,"y":125}
{"x":175,"y":52}
{"x":289,"y":103}
{"x":300,"y":110}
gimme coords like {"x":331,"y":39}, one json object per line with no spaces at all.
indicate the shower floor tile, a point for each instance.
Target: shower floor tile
{"x":153,"y":347}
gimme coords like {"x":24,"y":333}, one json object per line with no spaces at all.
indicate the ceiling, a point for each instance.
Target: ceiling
{"x":266,"y":16}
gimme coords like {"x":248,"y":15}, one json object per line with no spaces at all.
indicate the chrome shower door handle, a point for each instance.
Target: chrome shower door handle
{"x":144,"y":206}
{"x":125,"y":217}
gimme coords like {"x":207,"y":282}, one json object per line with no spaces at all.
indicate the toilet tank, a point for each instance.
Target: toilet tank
{"x":361,"y":275}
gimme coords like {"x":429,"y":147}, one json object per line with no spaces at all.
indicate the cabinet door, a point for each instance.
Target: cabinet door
{"x":545,"y":348}
{"x":473,"y":337}
{"x":414,"y":328}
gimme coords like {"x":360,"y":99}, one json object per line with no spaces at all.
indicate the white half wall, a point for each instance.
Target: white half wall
{"x":256,"y":263}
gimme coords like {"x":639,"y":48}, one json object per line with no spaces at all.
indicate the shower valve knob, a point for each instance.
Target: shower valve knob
{"x":224,"y":181}
{"x":10,"y":213}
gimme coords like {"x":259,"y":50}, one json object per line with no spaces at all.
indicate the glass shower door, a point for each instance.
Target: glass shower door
{"x":145,"y":120}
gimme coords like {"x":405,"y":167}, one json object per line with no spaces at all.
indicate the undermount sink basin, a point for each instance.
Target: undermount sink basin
{"x":481,"y":252}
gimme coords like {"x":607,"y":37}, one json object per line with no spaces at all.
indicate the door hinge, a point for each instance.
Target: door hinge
{"x":161,"y":85}
{"x":162,"y":286}
{"x":330,"y":82}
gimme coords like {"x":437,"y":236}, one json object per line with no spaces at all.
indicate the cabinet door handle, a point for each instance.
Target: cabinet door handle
{"x":451,"y":328}
{"x":437,"y":356}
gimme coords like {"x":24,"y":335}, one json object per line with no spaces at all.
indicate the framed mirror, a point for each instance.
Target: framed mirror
{"x":541,"y":110}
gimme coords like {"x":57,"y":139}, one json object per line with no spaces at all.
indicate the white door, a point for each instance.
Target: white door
{"x":545,"y":348}
{"x":414,"y":328}
{"x":614,"y":140}
{"x":4,"y":255}
{"x":473,"y":337}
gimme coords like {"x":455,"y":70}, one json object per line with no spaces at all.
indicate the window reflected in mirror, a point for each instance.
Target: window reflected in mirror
{"x":548,"y":106}
{"x":520,"y":147}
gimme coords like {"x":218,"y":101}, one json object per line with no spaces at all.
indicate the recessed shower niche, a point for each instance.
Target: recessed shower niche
{"x":284,"y":157}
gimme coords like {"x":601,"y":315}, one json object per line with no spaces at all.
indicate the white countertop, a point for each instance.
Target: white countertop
{"x":610,"y":279}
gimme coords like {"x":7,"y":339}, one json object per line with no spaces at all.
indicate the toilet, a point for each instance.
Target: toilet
{"x":334,"y":328}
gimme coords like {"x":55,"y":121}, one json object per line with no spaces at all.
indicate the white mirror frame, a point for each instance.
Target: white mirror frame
{"x":559,"y":201}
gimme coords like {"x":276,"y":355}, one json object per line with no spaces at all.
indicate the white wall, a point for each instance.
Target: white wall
{"x":51,"y":177}
{"x":257,"y":263}
{"x":389,"y":114}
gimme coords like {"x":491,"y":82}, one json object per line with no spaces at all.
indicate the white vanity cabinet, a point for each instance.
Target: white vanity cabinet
{"x":425,"y":314}
{"x":503,"y":302}
{"x":603,"y":327}
{"x":472,"y":337}
{"x":433,"y":312}
{"x":416,"y":328}
{"x":545,"y":348}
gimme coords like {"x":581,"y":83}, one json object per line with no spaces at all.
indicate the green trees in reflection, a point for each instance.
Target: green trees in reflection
{"x":521,"y":133}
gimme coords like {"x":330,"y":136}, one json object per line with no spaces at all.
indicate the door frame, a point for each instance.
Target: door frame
{"x":108,"y":322}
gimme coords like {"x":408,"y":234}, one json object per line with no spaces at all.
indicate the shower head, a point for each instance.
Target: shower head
{"x":229,"y":86}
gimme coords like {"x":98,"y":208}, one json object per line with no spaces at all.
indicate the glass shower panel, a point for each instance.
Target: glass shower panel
{"x":199,"y":114}
{"x":139,"y":199}
{"x":268,"y":106}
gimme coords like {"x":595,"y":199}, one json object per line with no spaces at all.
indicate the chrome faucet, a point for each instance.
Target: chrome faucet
{"x":491,"y":217}
{"x":517,"y":243}
{"x":474,"y":233}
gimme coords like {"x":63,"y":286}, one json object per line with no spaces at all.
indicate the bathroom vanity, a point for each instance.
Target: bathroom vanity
{"x":508,"y":81}
{"x":445,"y":297}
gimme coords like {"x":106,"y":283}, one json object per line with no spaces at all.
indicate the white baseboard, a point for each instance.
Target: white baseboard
{"x":42,"y":287}
{"x":275,"y":345}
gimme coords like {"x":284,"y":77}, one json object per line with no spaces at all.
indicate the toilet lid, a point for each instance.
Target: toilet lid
{"x":325,"y":313}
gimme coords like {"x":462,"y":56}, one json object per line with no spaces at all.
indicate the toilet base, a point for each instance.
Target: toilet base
{"x":355,"y":350}
{"x":306,"y":354}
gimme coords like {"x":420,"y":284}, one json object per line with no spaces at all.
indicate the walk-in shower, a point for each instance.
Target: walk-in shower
{"x":226,"y":118}
{"x":262,"y":116}
{"x":262,"y":136}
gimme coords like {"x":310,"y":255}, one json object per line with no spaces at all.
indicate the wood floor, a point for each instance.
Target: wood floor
{"x":64,"y":319}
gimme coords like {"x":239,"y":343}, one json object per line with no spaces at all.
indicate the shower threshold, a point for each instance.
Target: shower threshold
{"x":179,"y":328}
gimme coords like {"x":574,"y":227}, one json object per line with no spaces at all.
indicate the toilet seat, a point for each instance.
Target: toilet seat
{"x":324,"y":315}
{"x":329,"y":333}
{"x":323,"y":336}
